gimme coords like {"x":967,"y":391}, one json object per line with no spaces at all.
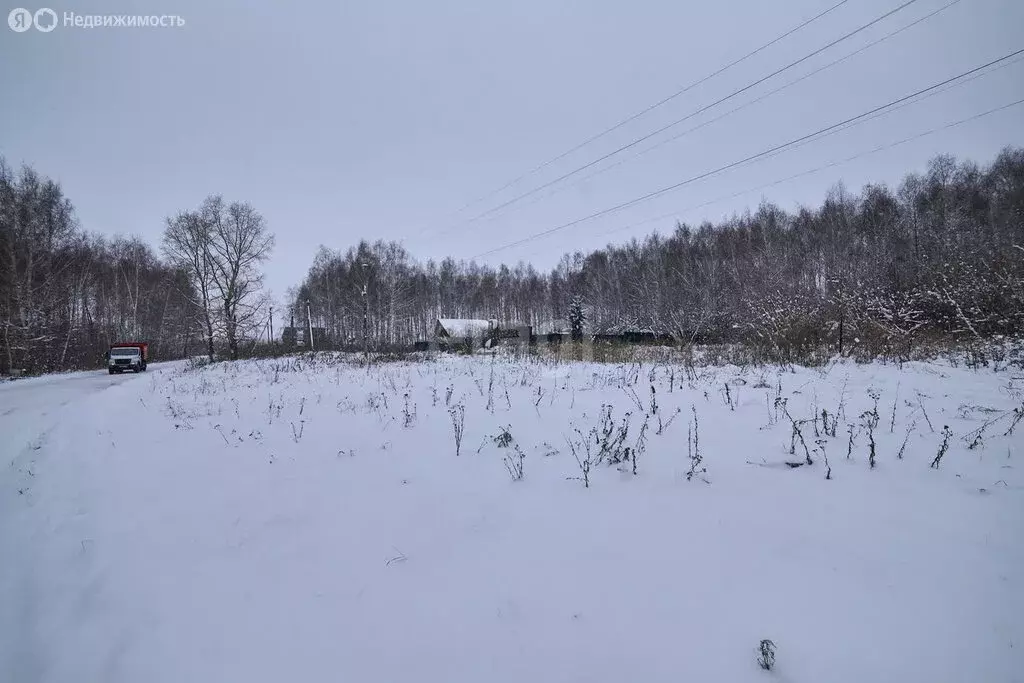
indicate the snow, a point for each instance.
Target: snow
{"x":309,"y":520}
{"x":458,"y":328}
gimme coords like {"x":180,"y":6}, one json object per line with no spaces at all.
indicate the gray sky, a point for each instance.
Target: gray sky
{"x":380,"y":119}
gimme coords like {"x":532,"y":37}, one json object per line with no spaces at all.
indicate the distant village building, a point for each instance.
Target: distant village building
{"x":469,"y":333}
{"x":298,"y":337}
{"x":461,"y":329}
{"x":556,"y":326}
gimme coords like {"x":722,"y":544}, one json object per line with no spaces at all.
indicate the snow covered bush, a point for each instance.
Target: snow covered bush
{"x":458,"y":416}
{"x":514,"y":462}
{"x":766,"y":655}
{"x":693,"y":448}
{"x":947,"y":434}
{"x":503,"y":439}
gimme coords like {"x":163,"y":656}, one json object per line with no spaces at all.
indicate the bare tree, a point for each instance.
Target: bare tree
{"x":239,"y":242}
{"x":186,"y":244}
{"x":220,"y":247}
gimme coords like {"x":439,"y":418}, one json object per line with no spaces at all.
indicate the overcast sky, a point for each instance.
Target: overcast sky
{"x":381,"y":119}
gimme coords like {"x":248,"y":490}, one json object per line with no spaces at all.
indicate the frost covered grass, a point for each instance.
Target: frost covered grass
{"x":502,"y":519}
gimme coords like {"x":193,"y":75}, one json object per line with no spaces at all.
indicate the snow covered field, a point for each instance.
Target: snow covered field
{"x":310,"y":520}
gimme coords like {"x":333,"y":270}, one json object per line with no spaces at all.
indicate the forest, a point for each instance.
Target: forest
{"x":939,"y":257}
{"x":67,"y":294}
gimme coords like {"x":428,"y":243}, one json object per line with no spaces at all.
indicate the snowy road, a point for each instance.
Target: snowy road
{"x":32,"y":411}
{"x":31,"y":406}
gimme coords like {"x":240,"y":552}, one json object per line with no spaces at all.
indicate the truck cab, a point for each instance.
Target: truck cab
{"x":122,"y":357}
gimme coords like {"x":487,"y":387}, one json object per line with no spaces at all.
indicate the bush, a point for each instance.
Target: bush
{"x":766,"y":655}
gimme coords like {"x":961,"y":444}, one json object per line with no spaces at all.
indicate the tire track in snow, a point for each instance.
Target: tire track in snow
{"x":31,"y":411}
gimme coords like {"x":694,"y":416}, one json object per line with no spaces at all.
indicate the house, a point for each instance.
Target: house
{"x":513,"y":333}
{"x":452,"y":333}
{"x":633,"y":336}
{"x":298,"y":337}
{"x":462,"y":329}
{"x":555,"y":326}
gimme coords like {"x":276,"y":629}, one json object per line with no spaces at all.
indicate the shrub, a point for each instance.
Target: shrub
{"x":766,"y":655}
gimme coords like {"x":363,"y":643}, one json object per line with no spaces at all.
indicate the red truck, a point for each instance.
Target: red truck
{"x":127,"y":356}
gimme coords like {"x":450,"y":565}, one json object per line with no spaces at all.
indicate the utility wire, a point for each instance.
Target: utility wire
{"x":696,"y":112}
{"x":818,"y":169}
{"x":637,"y":115}
{"x":654,"y":106}
{"x":910,"y":102}
{"x":832,"y":164}
{"x":766,"y":95}
{"x":777,"y":148}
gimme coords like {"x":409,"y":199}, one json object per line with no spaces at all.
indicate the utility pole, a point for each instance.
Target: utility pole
{"x":366,"y":317}
{"x":309,"y":321}
{"x":271,"y":340}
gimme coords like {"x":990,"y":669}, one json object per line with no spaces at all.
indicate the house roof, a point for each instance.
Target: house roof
{"x":552,"y":326}
{"x":464,"y":327}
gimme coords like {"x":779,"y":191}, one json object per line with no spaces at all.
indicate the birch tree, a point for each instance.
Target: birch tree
{"x":187,"y":243}
{"x":239,"y":243}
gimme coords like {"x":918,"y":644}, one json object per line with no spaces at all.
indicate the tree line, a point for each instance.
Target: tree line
{"x":941,"y":256}
{"x":66,"y":294}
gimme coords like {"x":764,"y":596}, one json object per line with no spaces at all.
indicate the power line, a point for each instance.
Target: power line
{"x":818,"y":169}
{"x":637,"y":115}
{"x":751,"y":102}
{"x":811,"y":171}
{"x":777,"y":148}
{"x":696,"y":112}
{"x":910,"y":102}
{"x":654,"y":106}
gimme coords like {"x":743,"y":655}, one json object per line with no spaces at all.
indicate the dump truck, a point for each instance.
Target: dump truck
{"x":127,"y":356}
